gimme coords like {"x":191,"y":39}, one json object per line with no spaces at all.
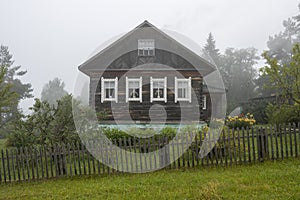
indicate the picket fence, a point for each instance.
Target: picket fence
{"x":233,"y":147}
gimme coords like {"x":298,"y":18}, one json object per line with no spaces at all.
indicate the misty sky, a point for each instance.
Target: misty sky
{"x":50,"y":38}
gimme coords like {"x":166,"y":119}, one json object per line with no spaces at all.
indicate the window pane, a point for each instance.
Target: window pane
{"x":112,"y":84}
{"x":161,"y":93}
{"x":182,"y":84}
{"x":155,"y":93}
{"x":151,"y":52}
{"x":161,"y":84}
{"x":141,"y":52}
{"x":109,"y":84}
{"x":112,"y":93}
{"x":158,"y":89}
{"x":134,"y":93}
{"x":158,"y":93}
{"x":106,"y":84}
{"x":109,"y":93}
{"x":182,"y":93}
{"x":133,"y":84}
{"x":158,"y":84}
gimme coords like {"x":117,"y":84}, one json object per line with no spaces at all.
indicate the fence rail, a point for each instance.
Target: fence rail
{"x":233,"y":147}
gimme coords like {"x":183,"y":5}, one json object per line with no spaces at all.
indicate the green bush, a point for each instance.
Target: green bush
{"x":47,"y":124}
{"x":283,"y":114}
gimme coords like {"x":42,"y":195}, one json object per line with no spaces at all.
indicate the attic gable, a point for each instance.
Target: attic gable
{"x":129,"y":41}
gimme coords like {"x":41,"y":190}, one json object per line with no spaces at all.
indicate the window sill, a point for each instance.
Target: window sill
{"x":159,"y":100}
{"x":183,"y":100}
{"x":133,"y":99}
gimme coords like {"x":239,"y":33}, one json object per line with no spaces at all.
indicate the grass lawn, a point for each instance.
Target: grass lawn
{"x":269,"y":180}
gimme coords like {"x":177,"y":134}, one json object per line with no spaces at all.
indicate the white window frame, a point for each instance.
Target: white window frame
{"x":140,"y":98}
{"x":204,"y":100}
{"x":189,"y":94}
{"x":145,"y":46}
{"x":103,"y":98}
{"x":151,"y":89}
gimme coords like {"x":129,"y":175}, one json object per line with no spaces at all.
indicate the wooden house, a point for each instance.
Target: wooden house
{"x":147,"y":67}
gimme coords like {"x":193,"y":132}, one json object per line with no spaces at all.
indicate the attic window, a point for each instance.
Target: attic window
{"x":146,"y":47}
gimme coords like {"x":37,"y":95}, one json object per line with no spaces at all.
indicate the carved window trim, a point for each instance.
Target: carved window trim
{"x":152,"y":98}
{"x":146,"y":47}
{"x":188,"y":89}
{"x":139,"y":80}
{"x":103,"y":89}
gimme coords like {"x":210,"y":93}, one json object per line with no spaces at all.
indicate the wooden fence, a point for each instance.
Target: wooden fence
{"x":233,"y":147}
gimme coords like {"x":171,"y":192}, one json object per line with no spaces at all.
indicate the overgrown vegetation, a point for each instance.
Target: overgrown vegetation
{"x":12,"y":91}
{"x":47,"y":124}
{"x":285,"y":79}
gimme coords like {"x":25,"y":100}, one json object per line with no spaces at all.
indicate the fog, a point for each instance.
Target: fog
{"x":52,"y":38}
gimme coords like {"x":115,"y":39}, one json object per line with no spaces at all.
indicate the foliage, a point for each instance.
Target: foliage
{"x":238,"y":66}
{"x":115,"y":134}
{"x":240,"y":121}
{"x":8,"y":97}
{"x":280,"y":47}
{"x":53,"y":91}
{"x":211,"y":51}
{"x":284,"y":78}
{"x":168,"y":131}
{"x":102,"y":115}
{"x":47,"y":124}
{"x":283,"y":114}
{"x":257,"y":107}
{"x":10,"y":83}
{"x":24,"y":90}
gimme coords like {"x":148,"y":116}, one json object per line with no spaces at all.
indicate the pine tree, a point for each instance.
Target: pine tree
{"x":10,"y":79}
{"x":7,"y":97}
{"x":53,"y":91}
{"x":211,"y":50}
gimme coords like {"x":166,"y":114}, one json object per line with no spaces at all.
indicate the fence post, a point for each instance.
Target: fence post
{"x":262,"y":144}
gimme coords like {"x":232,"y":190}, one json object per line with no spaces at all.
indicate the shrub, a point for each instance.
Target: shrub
{"x":283,"y":114}
{"x":45,"y":125}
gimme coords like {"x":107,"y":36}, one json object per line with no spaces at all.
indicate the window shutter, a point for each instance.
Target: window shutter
{"x":165,"y":90}
{"x":151,"y":89}
{"x":190,"y":89}
{"x":102,"y":89}
{"x":204,"y":102}
{"x":141,"y":85}
{"x":116,"y":89}
{"x":176,"y":91}
{"x":126,"y":92}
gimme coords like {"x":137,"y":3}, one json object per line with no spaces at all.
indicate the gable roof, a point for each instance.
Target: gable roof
{"x":146,"y":30}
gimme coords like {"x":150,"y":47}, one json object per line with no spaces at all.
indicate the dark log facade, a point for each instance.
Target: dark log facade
{"x":170,"y":59}
{"x":139,"y":111}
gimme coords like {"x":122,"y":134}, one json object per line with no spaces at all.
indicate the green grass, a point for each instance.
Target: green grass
{"x":269,"y":180}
